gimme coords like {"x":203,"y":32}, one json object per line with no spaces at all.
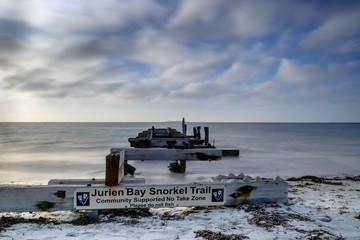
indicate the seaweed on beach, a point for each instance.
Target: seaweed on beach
{"x":6,"y":222}
{"x":132,"y":213}
{"x":111,"y":214}
{"x":171,"y":217}
{"x":355,"y":179}
{"x":316,"y":180}
{"x":210,"y":235}
{"x":205,"y":209}
{"x":269,"y":219}
{"x":83,"y":220}
{"x":317,"y":234}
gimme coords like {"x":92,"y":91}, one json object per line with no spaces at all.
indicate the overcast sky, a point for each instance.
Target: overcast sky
{"x":206,"y":60}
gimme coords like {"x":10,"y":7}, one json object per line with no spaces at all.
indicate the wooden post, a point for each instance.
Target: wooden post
{"x":206,"y":129}
{"x":114,"y":168}
{"x":198,"y":132}
{"x":149,"y":134}
{"x":183,"y":127}
{"x":93,"y":214}
{"x":195,"y":134}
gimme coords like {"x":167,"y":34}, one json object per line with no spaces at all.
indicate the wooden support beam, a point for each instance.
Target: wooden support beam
{"x":230,"y":152}
{"x":206,"y":154}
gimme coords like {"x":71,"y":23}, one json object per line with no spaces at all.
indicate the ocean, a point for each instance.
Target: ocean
{"x":34,"y":153}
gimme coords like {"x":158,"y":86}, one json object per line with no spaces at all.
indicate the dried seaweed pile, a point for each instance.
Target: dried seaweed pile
{"x":210,"y":235}
{"x":271,"y":219}
{"x":330,"y":181}
{"x":6,"y":222}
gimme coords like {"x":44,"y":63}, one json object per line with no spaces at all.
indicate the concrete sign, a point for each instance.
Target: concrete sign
{"x":149,"y":196}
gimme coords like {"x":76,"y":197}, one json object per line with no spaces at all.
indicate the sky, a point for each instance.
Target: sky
{"x":158,"y":60}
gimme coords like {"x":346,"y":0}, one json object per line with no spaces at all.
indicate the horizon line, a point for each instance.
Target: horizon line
{"x":169,"y":121}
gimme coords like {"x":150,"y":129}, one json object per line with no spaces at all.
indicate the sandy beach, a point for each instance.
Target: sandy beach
{"x":318,"y":208}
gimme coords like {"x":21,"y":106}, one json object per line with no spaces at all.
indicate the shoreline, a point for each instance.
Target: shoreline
{"x":318,"y":208}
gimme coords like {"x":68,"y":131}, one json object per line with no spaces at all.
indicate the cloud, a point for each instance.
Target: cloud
{"x":298,"y":74}
{"x":350,"y":46}
{"x":201,"y":90}
{"x":309,"y":82}
{"x":156,"y":48}
{"x":188,"y":72}
{"x":234,"y":20}
{"x":9,"y":45}
{"x":15,"y":28}
{"x":337,"y":28}
{"x":185,"y":50}
{"x":59,"y":17}
{"x":247,"y":68}
{"x":222,"y":19}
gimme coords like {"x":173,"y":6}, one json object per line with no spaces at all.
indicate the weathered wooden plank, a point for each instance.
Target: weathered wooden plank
{"x":61,"y":197}
{"x":36,"y":198}
{"x":170,"y":154}
{"x":76,"y":181}
{"x":243,"y":189}
{"x":256,"y":192}
{"x":85,"y":182}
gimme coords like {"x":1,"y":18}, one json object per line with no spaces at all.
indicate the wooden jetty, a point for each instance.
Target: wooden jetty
{"x":170,"y":138}
{"x":120,"y":191}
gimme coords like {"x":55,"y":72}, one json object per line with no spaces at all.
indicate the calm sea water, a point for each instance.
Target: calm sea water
{"x":34,"y":153}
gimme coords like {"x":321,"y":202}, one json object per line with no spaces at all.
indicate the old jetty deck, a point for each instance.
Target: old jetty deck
{"x":173,"y":139}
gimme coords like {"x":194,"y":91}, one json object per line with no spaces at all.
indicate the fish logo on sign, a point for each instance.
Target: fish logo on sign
{"x":217,"y":195}
{"x":82,"y":199}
